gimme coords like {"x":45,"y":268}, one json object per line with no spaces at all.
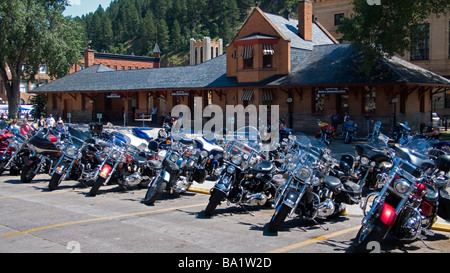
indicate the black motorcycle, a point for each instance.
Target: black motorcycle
{"x":402,"y":132}
{"x":373,"y":158}
{"x":177,"y":171}
{"x":406,"y":206}
{"x":246,"y":178}
{"x":45,"y":151}
{"x":15,"y":154}
{"x":77,"y":155}
{"x":309,"y":190}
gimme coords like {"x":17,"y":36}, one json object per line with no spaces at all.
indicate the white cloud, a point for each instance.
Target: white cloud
{"x":75,"y":2}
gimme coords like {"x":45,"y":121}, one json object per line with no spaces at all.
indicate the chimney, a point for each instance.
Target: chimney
{"x":88,"y":57}
{"x":305,"y":19}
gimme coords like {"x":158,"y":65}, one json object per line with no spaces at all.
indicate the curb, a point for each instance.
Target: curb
{"x":441,"y":227}
{"x":199,"y":190}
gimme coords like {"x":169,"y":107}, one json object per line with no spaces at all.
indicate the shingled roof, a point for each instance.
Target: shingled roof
{"x":317,"y":62}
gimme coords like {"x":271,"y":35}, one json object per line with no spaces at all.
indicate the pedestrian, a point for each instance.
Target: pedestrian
{"x":41,"y":122}
{"x":25,"y":129}
{"x":334,"y":119}
{"x":154,"y":112}
{"x":13,"y":127}
{"x":50,"y":121}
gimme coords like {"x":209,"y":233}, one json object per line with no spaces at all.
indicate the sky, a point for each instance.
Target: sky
{"x":83,"y":7}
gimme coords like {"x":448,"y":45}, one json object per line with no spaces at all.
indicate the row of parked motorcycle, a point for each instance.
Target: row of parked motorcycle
{"x":406,"y":183}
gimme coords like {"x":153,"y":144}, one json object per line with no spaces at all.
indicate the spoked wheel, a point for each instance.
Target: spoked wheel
{"x":155,"y":191}
{"x":214,"y":201}
{"x":278,"y":217}
{"x":27,"y":173}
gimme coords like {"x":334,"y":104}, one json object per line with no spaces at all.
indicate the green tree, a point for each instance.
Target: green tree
{"x":175,"y":36}
{"x":34,"y":32}
{"x":386,"y":29}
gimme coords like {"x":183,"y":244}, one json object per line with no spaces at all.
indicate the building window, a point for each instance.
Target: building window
{"x":247,"y":55}
{"x":337,"y":18}
{"x":370,"y":100}
{"x":420,"y":42}
{"x":267,"y":61}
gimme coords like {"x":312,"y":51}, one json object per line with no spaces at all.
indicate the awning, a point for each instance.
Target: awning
{"x":268,"y":50}
{"x":247,"y":52}
{"x":267,"y":95}
{"x":248,"y":95}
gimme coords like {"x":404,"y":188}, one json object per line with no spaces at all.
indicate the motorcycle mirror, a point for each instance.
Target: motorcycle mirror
{"x":153,"y":146}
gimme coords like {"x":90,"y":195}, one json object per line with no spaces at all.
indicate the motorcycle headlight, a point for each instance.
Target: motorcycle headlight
{"x":231,"y":169}
{"x":236,"y":160}
{"x":115,"y":155}
{"x":203,"y":154}
{"x":71,"y":151}
{"x":226,"y":156}
{"x":401,"y":186}
{"x":162,"y":134}
{"x":174,"y":158}
{"x":364,"y":160}
{"x":14,"y":145}
{"x":302,"y":173}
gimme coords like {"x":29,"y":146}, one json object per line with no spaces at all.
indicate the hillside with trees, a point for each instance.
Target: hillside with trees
{"x":134,"y":26}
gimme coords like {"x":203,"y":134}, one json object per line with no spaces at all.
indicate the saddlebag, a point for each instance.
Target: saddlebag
{"x":352,"y":192}
{"x":199,"y":175}
{"x":444,"y":205}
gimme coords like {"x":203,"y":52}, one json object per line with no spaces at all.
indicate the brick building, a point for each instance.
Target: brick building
{"x":431,"y":51}
{"x":89,"y":58}
{"x":273,"y":60}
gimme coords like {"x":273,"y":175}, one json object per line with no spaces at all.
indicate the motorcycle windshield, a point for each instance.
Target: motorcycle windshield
{"x":419,"y":145}
{"x":379,"y":143}
{"x":249,"y":136}
{"x":310,"y":144}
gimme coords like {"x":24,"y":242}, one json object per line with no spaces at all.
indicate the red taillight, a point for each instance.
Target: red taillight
{"x":105,"y":171}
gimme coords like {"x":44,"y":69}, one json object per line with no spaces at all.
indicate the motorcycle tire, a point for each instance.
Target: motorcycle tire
{"x":278,"y":217}
{"x":27,"y":173}
{"x":214,"y":201}
{"x":366,"y":235}
{"x":97,"y":184}
{"x":2,"y":167}
{"x":347,"y":139}
{"x":54,"y":182}
{"x":155,"y":191}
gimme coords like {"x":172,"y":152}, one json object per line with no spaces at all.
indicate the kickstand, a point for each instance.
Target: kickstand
{"x":243,"y":207}
{"x":317,"y":223}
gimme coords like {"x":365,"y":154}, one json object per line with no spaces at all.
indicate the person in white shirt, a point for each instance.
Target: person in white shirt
{"x":50,"y":121}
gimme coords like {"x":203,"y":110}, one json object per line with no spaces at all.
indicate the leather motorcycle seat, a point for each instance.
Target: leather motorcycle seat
{"x":263,"y":167}
{"x":139,"y":160}
{"x":186,"y":141}
{"x":332,"y":182}
{"x":155,"y":164}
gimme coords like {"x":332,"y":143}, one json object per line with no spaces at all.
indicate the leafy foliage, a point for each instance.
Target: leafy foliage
{"x":30,"y":32}
{"x":134,"y":26}
{"x":387,"y":29}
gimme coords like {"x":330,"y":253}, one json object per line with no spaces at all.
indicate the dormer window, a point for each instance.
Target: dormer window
{"x":247,"y":56}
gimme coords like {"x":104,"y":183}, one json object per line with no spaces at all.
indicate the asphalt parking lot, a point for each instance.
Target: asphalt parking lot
{"x":36,"y":220}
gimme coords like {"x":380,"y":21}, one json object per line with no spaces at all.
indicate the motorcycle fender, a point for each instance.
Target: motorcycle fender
{"x":387,"y":214}
{"x":60,"y":169}
{"x":166,"y":176}
{"x":290,"y":199}
{"x":105,"y":171}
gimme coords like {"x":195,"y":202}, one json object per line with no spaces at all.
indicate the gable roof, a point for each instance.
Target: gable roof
{"x":339,"y":65}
